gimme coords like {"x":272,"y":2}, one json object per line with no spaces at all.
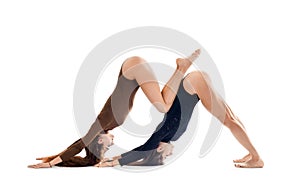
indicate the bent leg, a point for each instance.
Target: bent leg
{"x":215,"y":104}
{"x":138,"y":69}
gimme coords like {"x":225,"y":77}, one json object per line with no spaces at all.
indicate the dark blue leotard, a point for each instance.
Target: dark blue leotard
{"x":171,"y":128}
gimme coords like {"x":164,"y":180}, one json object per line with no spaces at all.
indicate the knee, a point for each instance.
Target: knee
{"x":200,"y":75}
{"x":199,"y":79}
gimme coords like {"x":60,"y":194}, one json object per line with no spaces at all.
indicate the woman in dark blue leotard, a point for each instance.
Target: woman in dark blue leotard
{"x":196,"y":86}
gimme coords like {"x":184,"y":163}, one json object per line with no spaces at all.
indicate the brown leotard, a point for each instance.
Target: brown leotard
{"x":112,"y":115}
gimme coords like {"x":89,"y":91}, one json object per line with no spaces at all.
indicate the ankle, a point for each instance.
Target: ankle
{"x":255,"y":157}
{"x":181,"y":70}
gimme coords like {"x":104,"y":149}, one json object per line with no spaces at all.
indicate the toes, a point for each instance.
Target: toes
{"x":194,"y":55}
{"x":197,"y":52}
{"x":236,"y":160}
{"x":243,"y":165}
{"x":239,"y":161}
{"x":248,"y":165}
{"x":238,"y":165}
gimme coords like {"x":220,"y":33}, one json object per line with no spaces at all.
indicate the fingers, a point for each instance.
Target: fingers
{"x":41,"y":158}
{"x":35,"y":166}
{"x":97,"y":165}
{"x":116,"y":157}
{"x":105,"y":159}
{"x":31,"y":166}
{"x":104,"y":164}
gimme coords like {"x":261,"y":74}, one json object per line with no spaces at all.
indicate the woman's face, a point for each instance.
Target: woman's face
{"x":166,"y":149}
{"x":106,"y":139}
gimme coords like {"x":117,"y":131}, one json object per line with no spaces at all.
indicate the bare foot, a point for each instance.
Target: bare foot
{"x":184,"y":63}
{"x":251,"y":164}
{"x":244,"y":159}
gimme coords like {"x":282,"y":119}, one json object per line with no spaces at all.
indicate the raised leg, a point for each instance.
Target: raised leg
{"x":138,"y":69}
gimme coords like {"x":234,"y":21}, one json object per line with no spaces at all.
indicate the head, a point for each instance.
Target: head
{"x":157,"y":156}
{"x":96,"y":149}
{"x":106,"y":140}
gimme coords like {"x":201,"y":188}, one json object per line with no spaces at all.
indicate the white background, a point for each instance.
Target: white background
{"x":255,"y":46}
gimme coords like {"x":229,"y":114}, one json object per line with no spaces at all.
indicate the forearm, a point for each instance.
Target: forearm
{"x":140,"y":148}
{"x":130,"y":157}
{"x":141,"y":151}
{"x":72,"y":150}
{"x":80,"y":144}
{"x":133,"y":156}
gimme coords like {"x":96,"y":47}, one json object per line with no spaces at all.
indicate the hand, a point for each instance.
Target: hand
{"x":40,"y":165}
{"x":104,"y":164}
{"x":117,"y":157}
{"x":106,"y":159}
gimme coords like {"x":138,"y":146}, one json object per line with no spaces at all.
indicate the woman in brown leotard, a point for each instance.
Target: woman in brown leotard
{"x":134,"y":73}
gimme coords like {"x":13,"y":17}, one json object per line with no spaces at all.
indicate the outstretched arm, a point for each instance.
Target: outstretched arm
{"x":48,"y":162}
